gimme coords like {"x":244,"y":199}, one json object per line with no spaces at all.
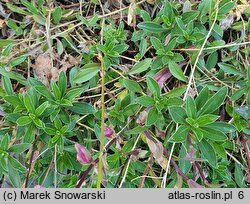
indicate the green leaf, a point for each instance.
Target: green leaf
{"x":151,"y":26}
{"x":5,"y":42}
{"x":239,"y":176}
{"x":191,"y":107}
{"x":145,"y":101}
{"x":180,"y":134}
{"x":29,"y":135}
{"x":237,"y":94}
{"x":39,"y":111}
{"x":81,"y":108}
{"x":30,"y":6}
{"x":13,"y":100}
{"x":132,"y":85}
{"x":19,"y":148}
{"x":39,"y":19}
{"x":50,"y":131}
{"x":38,"y":123}
{"x":230,"y":69}
{"x":24,"y":120}
{"x":16,"y":61}
{"x":219,"y":149}
{"x":71,"y":94}
{"x":208,"y":153}
{"x":43,"y":90}
{"x":184,"y":164}
{"x":178,"y":114}
{"x":225,"y":7}
{"x":59,"y":47}
{"x":212,"y":134}
{"x":206,"y":119}
{"x":66,"y":102}
{"x":175,"y":101}
{"x":7,"y":85}
{"x":28,"y":103}
{"x":212,"y":60}
{"x":131,"y":109}
{"x":141,"y":66}
{"x":198,"y":133}
{"x":56,"y":91}
{"x":214,"y":102}
{"x":176,"y":71}
{"x":222,"y":126}
{"x":5,"y":142}
{"x":189,"y":16}
{"x":157,"y":44}
{"x":16,"y":164}
{"x":14,"y":176}
{"x":153,"y":87}
{"x":137,"y":130}
{"x":57,"y":14}
{"x":145,"y":15}
{"x":143,"y":46}
{"x":16,"y":9}
{"x":120,"y":48}
{"x":86,"y":74}
{"x":202,"y":97}
{"x":13,"y":75}
{"x":152,"y":116}
{"x":7,"y":50}
{"x":176,"y":92}
{"x":62,"y":82}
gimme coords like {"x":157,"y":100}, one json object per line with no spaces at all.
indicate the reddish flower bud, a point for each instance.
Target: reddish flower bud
{"x":83,"y":155}
{"x":162,"y":76}
{"x":108,"y":131}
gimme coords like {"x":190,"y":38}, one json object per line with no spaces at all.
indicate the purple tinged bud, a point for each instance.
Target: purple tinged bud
{"x":108,"y":131}
{"x":162,"y":76}
{"x":83,"y":155}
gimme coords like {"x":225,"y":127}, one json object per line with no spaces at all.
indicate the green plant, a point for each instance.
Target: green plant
{"x":147,"y":94}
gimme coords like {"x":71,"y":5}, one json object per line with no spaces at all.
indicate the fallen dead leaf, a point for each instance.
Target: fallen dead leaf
{"x":131,"y":13}
{"x":2,"y":23}
{"x":42,"y":67}
{"x":156,"y":148}
{"x":227,"y":21}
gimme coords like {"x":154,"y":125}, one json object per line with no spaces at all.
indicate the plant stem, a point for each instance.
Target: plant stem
{"x":121,"y":171}
{"x":200,"y":51}
{"x":201,"y":172}
{"x":128,"y":163}
{"x":85,"y":173}
{"x":30,"y":163}
{"x":146,"y":171}
{"x":102,"y":124}
{"x":1,"y":181}
{"x":175,"y":165}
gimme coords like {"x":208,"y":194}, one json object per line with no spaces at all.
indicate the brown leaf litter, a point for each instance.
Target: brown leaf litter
{"x":44,"y":69}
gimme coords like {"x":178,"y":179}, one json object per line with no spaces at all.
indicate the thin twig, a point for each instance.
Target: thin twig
{"x":146,"y":171}
{"x":30,"y":163}
{"x":126,"y":171}
{"x":121,"y":171}
{"x":215,"y":47}
{"x":164,"y":181}
{"x":167,"y":154}
{"x":48,"y":170}
{"x":102,"y":123}
{"x":200,"y":52}
{"x":55,"y":173}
